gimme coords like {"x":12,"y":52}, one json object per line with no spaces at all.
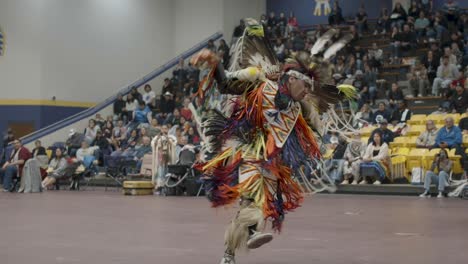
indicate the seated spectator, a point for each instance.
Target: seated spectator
{"x":450,"y":55}
{"x":167,"y":86}
{"x":395,"y":94}
{"x":446,"y":73}
{"x":353,"y":158}
{"x":181,"y":143}
{"x":414,"y":10}
{"x":336,"y":16}
{"x":381,"y":111}
{"x":376,"y":160}
{"x":103,"y":145}
{"x":148,"y":95}
{"x":107,"y":130}
{"x":142,"y":150}
{"x":119,"y":133}
{"x":73,"y":142}
{"x":87,"y":154}
{"x":431,"y":64}
{"x":56,"y":169}
{"x":459,"y":101}
{"x":141,"y":116}
{"x":375,"y":55}
{"x":279,"y":50}
{"x":173,"y":119}
{"x":119,"y":108}
{"x":13,"y":167}
{"x":91,"y":131}
{"x":402,"y":114}
{"x":130,"y":141}
{"x":363,"y":117}
{"x":383,"y":23}
{"x":39,"y":150}
{"x":361,"y":21}
{"x":421,"y":24}
{"x":334,"y":166}
{"x":386,"y":135}
{"x":398,"y":16}
{"x":154,"y":129}
{"x":292,"y":23}
{"x":448,"y":136}
{"x":441,"y":165}
{"x":135,"y":94}
{"x":193,"y":137}
{"x":404,"y":41}
{"x":131,"y":105}
{"x":185,"y":110}
{"x":463,"y":124}
{"x":99,"y":120}
{"x":418,"y":80}
{"x":427,"y":138}
{"x":167,"y":107}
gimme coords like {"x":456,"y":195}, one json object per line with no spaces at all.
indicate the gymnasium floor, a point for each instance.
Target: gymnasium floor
{"x":97,"y":227}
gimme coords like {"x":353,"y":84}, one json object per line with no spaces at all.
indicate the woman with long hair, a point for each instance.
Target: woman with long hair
{"x":56,"y":169}
{"x":376,"y":160}
{"x":438,"y":173}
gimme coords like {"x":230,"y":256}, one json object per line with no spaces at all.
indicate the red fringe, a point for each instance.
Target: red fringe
{"x":307,"y":138}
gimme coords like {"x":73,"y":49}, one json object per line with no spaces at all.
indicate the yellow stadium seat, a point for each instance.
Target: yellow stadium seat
{"x":456,"y":117}
{"x":399,"y":167}
{"x":366,"y":131}
{"x":416,"y":130}
{"x":465,"y":141}
{"x":399,"y":142}
{"x":415,"y":158}
{"x":328,"y":154}
{"x":457,"y":168}
{"x":417,"y":120}
{"x":464,"y":115}
{"x":402,"y":151}
{"x":438,"y":119}
{"x":412,"y":142}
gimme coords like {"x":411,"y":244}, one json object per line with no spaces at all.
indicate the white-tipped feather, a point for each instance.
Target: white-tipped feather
{"x":337,"y":46}
{"x":320,"y":44}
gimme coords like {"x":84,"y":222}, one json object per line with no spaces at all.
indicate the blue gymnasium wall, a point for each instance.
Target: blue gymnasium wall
{"x":304,"y":9}
{"x":40,"y":115}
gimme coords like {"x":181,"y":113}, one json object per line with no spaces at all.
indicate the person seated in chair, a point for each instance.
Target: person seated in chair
{"x":376,"y":158}
{"x":428,"y":137}
{"x":383,"y":112}
{"x":56,"y":169}
{"x":387,"y":134}
{"x":439,"y":173}
{"x":334,"y":166}
{"x":353,"y":158}
{"x":142,"y":150}
{"x":13,"y":168}
{"x":402,"y":114}
{"x":449,"y":136}
{"x":39,"y":150}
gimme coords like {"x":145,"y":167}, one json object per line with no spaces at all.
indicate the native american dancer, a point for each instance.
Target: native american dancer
{"x":260,"y":144}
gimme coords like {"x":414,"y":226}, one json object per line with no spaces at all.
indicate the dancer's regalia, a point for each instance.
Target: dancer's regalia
{"x":258,"y":143}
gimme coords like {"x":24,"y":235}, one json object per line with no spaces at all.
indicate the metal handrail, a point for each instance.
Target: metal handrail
{"x":125,"y":90}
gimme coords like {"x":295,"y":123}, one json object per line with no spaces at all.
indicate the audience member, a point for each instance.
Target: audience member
{"x":353,"y":158}
{"x":376,"y":160}
{"x":363,"y":117}
{"x":395,"y":94}
{"x":91,"y":131}
{"x":136,"y":94}
{"x":441,"y":165}
{"x":73,"y":142}
{"x":130,"y":106}
{"x":56,"y":169}
{"x":459,"y":101}
{"x":334,"y":166}
{"x":13,"y":167}
{"x":39,"y":150}
{"x":154,"y":128}
{"x":427,"y":138}
{"x":142,"y":150}
{"x":398,"y":16}
{"x":381,"y":111}
{"x":449,"y":136}
{"x":336,"y":15}
{"x":361,"y":21}
{"x":386,"y":135}
{"x":402,"y":114}
{"x":383,"y":22}
{"x":120,"y":107}
{"x":446,"y":73}
{"x":148,"y":95}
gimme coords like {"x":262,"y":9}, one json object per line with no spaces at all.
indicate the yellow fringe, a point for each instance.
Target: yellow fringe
{"x":224,"y":155}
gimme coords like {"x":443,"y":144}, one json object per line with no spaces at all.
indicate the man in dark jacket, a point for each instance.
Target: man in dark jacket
{"x":387,"y":134}
{"x":459,"y":101}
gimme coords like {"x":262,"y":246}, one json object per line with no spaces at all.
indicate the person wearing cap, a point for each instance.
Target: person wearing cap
{"x":381,"y":111}
{"x":73,"y":142}
{"x":353,"y":158}
{"x":459,"y":101}
{"x":386,"y":134}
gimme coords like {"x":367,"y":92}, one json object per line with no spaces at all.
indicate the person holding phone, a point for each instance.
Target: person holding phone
{"x":439,"y":173}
